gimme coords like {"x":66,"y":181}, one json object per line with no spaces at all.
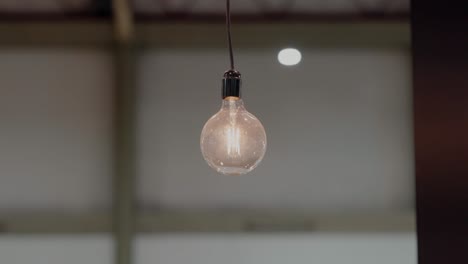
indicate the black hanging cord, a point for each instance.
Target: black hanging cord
{"x":231,"y":80}
{"x":228,"y":25}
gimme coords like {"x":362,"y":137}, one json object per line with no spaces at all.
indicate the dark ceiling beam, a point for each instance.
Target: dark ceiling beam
{"x":271,"y":17}
{"x":275,"y":35}
{"x":187,"y":17}
{"x":82,"y":34}
{"x":200,"y":35}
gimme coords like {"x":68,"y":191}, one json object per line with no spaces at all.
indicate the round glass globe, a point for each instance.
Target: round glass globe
{"x":233,"y":141}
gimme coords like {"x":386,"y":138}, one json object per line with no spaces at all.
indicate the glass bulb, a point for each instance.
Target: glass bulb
{"x":233,"y":141}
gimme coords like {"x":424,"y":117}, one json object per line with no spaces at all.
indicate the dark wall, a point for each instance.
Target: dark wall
{"x":440,"y":71}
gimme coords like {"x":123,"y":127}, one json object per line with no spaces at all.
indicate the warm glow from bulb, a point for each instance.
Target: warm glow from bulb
{"x":233,"y":141}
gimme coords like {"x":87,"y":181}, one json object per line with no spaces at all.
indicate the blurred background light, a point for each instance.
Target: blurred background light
{"x":289,"y":56}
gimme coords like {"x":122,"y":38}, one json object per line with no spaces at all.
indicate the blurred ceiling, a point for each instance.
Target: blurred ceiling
{"x":149,"y":8}
{"x":265,"y":6}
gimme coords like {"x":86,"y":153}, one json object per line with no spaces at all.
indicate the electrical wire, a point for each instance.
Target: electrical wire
{"x":228,"y":27}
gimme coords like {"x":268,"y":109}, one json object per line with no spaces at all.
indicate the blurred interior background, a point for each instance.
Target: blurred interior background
{"x":101,"y":108}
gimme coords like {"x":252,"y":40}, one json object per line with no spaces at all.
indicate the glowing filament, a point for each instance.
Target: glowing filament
{"x":233,"y":141}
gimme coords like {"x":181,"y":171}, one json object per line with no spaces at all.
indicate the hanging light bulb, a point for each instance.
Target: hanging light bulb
{"x":233,"y":141}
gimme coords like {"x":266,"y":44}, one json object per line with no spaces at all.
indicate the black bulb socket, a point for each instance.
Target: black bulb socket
{"x":231,"y":84}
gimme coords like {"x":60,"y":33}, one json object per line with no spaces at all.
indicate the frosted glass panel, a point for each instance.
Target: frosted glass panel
{"x":56,"y":249}
{"x":55,"y":129}
{"x":278,"y":249}
{"x":338,"y":126}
